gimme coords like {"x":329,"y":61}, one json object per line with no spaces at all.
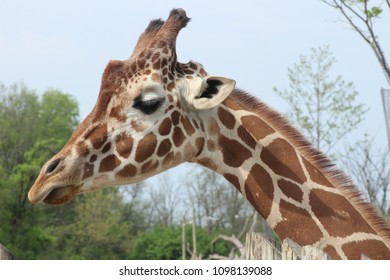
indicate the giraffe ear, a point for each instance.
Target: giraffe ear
{"x":210,"y":91}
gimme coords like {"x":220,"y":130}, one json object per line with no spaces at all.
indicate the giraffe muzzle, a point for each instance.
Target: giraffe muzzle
{"x":54,"y":186}
{"x":55,"y":195}
{"x":61,"y":195}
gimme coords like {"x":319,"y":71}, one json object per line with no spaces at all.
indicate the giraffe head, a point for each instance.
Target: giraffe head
{"x":146,"y":119}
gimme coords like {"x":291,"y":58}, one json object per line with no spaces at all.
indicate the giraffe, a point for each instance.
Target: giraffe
{"x":153,"y":113}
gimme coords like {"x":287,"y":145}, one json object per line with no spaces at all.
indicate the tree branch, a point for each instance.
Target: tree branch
{"x":369,"y":37}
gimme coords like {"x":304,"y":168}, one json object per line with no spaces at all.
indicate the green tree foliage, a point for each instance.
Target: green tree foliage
{"x":325,"y":108}
{"x":165,"y":243}
{"x":98,"y":228}
{"x":26,"y":142}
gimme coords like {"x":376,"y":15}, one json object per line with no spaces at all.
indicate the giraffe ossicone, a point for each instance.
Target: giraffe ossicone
{"x":153,"y":113}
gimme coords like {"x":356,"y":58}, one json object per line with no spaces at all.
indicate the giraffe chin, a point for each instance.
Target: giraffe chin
{"x":61,"y":195}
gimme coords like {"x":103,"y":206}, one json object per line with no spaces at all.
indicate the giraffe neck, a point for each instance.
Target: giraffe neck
{"x":295,"y":188}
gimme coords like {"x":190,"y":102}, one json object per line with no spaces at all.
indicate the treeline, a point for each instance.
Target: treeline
{"x":132,"y":222}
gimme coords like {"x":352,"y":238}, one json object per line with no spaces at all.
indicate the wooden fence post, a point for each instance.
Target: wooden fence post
{"x":292,"y":251}
{"x":259,"y":247}
{"x":5,"y":254}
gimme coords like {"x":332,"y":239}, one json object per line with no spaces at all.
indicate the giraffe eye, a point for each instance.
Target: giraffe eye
{"x":147,"y":106}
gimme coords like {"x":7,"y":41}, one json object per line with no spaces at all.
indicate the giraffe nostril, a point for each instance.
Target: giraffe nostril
{"x":52,"y":166}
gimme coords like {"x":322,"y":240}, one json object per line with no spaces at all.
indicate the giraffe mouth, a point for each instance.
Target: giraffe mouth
{"x":61,"y":195}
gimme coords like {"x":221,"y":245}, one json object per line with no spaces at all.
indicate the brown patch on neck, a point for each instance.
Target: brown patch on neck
{"x":259,"y":190}
{"x":337,"y":214}
{"x":233,"y":152}
{"x":227,"y":118}
{"x":291,"y":190}
{"x":281,"y":157}
{"x":315,"y":175}
{"x":257,"y":127}
{"x":297,"y":224}
{"x":373,"y":249}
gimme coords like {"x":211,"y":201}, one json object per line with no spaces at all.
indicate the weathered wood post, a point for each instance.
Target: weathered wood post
{"x":259,"y":247}
{"x":5,"y":254}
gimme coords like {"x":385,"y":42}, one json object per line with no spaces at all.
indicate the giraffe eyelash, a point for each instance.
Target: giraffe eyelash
{"x":148,"y":106}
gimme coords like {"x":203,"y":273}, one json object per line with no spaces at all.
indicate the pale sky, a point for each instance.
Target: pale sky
{"x":66,"y":45}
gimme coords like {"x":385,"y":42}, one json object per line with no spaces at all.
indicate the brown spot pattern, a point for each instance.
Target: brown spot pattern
{"x":128,"y":171}
{"x":146,"y":147}
{"x":257,"y":127}
{"x":233,"y":179}
{"x":211,"y":145}
{"x":165,"y":127}
{"x":373,"y":249}
{"x":233,"y":152}
{"x":109,"y":163}
{"x":331,"y":251}
{"x":171,"y":158}
{"x":106,"y":147}
{"x":281,"y":157}
{"x":168,"y":158}
{"x":226,"y":118}
{"x":213,"y":127}
{"x":260,"y":190}
{"x":246,"y":137}
{"x":175,"y":118}
{"x":187,"y":125}
{"x":124,"y":145}
{"x":208,"y":162}
{"x":294,"y":220}
{"x":97,"y":136}
{"x":199,"y":144}
{"x":178,"y":136}
{"x":164,"y":147}
{"x":336,"y":214}
{"x":149,"y":166}
{"x":156,"y":65}
{"x":93,"y":158}
{"x":315,"y":175}
{"x":171,"y":86}
{"x":291,"y":190}
{"x":88,"y":170}
{"x":141,"y":63}
{"x":231,"y":104}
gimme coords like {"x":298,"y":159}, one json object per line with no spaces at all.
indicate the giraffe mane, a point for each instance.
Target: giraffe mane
{"x":155,"y":25}
{"x":335,"y":176}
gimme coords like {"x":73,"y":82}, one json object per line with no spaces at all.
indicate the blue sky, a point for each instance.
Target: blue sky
{"x":67,"y":44}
